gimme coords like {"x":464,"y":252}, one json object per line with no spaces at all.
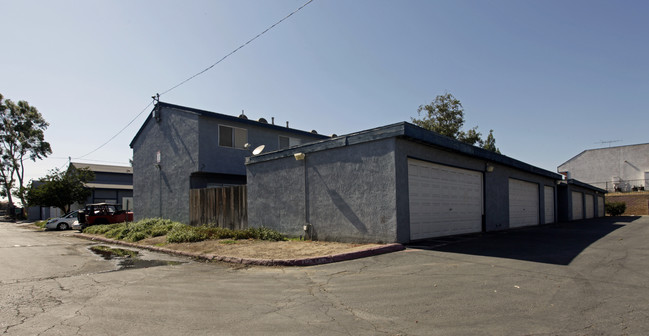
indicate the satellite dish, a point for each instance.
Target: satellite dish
{"x":258,"y":150}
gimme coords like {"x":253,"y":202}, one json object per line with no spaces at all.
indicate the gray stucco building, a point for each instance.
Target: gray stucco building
{"x":180,"y":148}
{"x":396,"y":183}
{"x":579,"y":200}
{"x":613,"y":169}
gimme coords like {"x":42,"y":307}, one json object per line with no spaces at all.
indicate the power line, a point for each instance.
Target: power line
{"x":237,"y":49}
{"x":157,"y":96}
{"x":118,"y":133}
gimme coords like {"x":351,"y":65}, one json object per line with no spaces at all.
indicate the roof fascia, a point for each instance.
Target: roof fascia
{"x":410,"y":132}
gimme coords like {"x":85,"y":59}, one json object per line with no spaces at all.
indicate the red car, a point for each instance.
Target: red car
{"x":103,"y":213}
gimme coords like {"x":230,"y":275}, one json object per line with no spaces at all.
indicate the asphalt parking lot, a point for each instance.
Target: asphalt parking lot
{"x":583,"y":278}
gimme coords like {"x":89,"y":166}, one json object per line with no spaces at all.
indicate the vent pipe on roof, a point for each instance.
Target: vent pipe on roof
{"x":287,"y":124}
{"x":272,"y":120}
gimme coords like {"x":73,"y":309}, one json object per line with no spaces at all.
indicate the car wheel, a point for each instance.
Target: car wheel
{"x":62,"y":226}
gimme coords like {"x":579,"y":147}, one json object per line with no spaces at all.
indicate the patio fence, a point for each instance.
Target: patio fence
{"x":225,"y":207}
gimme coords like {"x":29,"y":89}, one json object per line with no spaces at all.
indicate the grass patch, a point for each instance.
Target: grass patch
{"x":228,"y":242}
{"x":41,"y":223}
{"x":178,"y":232}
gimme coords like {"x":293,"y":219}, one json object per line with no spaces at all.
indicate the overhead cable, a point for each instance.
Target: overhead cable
{"x":157,"y":96}
{"x":237,"y":49}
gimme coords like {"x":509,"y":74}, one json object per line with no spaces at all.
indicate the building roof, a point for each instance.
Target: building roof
{"x":109,"y":186}
{"x":223,"y":117}
{"x":614,"y":148}
{"x":99,"y":168}
{"x":582,"y":184}
{"x":410,"y":132}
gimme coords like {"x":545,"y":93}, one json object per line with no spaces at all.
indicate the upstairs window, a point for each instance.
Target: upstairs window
{"x":232,"y":137}
{"x":286,"y":142}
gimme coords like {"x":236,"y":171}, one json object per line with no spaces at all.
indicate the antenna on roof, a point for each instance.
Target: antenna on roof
{"x":609,"y":142}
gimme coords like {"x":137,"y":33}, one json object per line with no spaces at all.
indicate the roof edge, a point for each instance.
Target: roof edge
{"x":408,"y":131}
{"x":210,"y":114}
{"x":583,"y":185}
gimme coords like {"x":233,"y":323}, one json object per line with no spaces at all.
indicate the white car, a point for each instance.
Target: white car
{"x":68,"y":221}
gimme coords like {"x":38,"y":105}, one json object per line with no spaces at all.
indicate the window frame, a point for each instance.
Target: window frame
{"x":233,"y":137}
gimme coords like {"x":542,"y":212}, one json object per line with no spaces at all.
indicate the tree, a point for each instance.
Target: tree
{"x":490,"y":143}
{"x":445,"y":115}
{"x":21,"y":137}
{"x":61,"y":189}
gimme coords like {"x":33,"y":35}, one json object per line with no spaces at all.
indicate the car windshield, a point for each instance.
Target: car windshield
{"x":71,"y":214}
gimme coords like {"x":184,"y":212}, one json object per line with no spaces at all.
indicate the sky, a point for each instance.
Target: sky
{"x":551,"y":78}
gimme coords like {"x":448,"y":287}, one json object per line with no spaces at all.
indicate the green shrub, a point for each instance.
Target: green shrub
{"x":187,"y":234}
{"x":134,"y":236}
{"x":265,"y":233}
{"x":118,"y":233}
{"x":178,"y":232}
{"x":615,"y":208}
{"x":101,"y":229}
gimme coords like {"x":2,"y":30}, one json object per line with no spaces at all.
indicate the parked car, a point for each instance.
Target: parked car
{"x":66,"y":222}
{"x":103,"y":213}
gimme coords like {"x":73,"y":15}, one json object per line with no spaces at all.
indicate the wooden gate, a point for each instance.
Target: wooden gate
{"x":225,"y":207}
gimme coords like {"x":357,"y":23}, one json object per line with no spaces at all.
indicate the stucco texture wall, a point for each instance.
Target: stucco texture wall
{"x":225,"y":160}
{"x":347,"y":193}
{"x":623,"y":166}
{"x":163,"y":190}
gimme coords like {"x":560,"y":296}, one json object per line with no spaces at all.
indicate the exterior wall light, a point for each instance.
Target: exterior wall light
{"x":299,"y":156}
{"x":489,"y":168}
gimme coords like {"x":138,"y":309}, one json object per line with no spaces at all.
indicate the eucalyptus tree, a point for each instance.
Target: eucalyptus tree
{"x":21,"y":138}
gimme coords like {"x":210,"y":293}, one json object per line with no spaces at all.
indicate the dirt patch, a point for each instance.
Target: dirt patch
{"x":259,"y":249}
{"x":637,"y":203}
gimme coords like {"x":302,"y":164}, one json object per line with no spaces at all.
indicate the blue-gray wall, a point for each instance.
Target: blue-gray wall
{"x":225,"y":160}
{"x":564,"y":198}
{"x":191,"y":157}
{"x":163,"y":191}
{"x":359,"y":192}
{"x":350,"y":193}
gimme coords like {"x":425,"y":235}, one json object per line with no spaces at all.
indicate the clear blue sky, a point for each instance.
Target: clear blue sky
{"x":551,"y":78}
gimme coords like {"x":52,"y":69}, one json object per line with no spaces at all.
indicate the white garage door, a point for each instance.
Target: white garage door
{"x":577,"y":206}
{"x":523,"y":203}
{"x":600,"y":206}
{"x":443,"y":200}
{"x":590,"y":206}
{"x":548,"y":198}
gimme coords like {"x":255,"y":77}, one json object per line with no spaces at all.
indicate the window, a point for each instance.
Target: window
{"x":286,"y":142}
{"x":232,"y":137}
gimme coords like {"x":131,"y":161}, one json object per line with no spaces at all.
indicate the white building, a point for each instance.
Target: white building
{"x":621,"y":168}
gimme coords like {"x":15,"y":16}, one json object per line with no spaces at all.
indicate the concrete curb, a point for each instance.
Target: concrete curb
{"x":259,"y":262}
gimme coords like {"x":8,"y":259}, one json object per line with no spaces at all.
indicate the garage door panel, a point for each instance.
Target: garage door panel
{"x":600,"y":206}
{"x":590,"y":206}
{"x":548,"y":194}
{"x":443,"y":200}
{"x":577,"y":205}
{"x":523,"y":203}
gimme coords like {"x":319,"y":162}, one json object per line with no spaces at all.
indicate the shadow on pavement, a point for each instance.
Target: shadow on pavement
{"x":552,"y":244}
